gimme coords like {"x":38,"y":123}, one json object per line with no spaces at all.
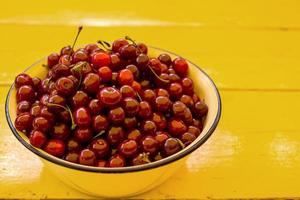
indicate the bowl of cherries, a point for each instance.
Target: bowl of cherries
{"x":113,"y":119}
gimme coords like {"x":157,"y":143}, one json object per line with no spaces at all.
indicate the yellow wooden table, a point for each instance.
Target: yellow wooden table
{"x":250,"y":49}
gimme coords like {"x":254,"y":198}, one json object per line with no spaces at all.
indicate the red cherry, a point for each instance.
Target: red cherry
{"x":180,"y":66}
{"x":37,"y":138}
{"x":23,"y":79}
{"x":100,"y":123}
{"x":25,"y":93}
{"x":87,"y":157}
{"x":23,"y":106}
{"x":115,"y":135}
{"x":65,"y":86}
{"x":52,"y":59}
{"x":161,"y":137}
{"x":60,"y":131}
{"x":125,"y":77}
{"x":105,"y":74}
{"x":176,"y":127}
{"x":100,"y":147}
{"x":73,"y":145}
{"x":128,"y":148}
{"x":116,"y":161}
{"x":91,"y":83}
{"x":91,"y":47}
{"x":55,"y":147}
{"x":79,"y":99}
{"x":23,"y":122}
{"x":109,"y":96}
{"x":149,"y":144}
{"x":101,"y":59}
{"x":134,"y":134}
{"x":83,"y":134}
{"x":82,"y":117}
{"x":95,"y":106}
{"x":72,"y":157}
{"x":117,"y":44}
{"x":136,"y":86}
{"x":41,"y":124}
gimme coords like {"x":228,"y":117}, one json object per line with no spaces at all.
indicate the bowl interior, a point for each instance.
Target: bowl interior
{"x":203,"y":85}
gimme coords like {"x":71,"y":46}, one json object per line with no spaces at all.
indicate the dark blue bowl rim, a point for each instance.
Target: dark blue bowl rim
{"x":152,"y":165}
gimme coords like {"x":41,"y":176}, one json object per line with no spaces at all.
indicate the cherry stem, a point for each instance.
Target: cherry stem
{"x":99,"y":134}
{"x":79,"y":65}
{"x":105,"y":44}
{"x":155,"y":74}
{"x":145,"y":157}
{"x":139,"y":97}
{"x":78,"y":32}
{"x":67,"y":109}
{"x":133,"y":42}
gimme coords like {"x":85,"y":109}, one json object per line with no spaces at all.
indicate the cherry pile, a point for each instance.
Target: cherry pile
{"x":110,"y":107}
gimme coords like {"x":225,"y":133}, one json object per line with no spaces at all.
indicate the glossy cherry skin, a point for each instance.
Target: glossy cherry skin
{"x":23,"y":106}
{"x":65,"y":60}
{"x":200,"y":109}
{"x":73,"y":145}
{"x":162,"y":92}
{"x":161,"y":137}
{"x":174,"y":78}
{"x":47,"y":115}
{"x":188,"y":117}
{"x":80,"y":99}
{"x":110,"y":96}
{"x":125,"y":77}
{"x":178,"y":108}
{"x":127,"y":91}
{"x":136,"y":86}
{"x":83,"y":134}
{"x":149,"y":95}
{"x":23,"y":79}
{"x":95,"y":106}
{"x":56,"y":99}
{"x":82,"y":117}
{"x":80,"y":56}
{"x":117,"y":44}
{"x":115,"y":61}
{"x":145,"y":110}
{"x":171,"y":146}
{"x":155,"y":64}
{"x":117,"y":115}
{"x":128,"y":148}
{"x":142,"y":61}
{"x":145,"y":84}
{"x":134,"y":70}
{"x":130,"y":122}
{"x":165,"y":58}
{"x":162,"y":104}
{"x":41,"y":124}
{"x":60,"y":131}
{"x":160,"y":121}
{"x":187,"y":85}
{"x":91,"y":83}
{"x":87,"y":157}
{"x":55,"y":147}
{"x":52,"y":59}
{"x":134,"y":134}
{"x":131,"y":106}
{"x":140,"y":159}
{"x":194,"y":130}
{"x":180,"y":66}
{"x":44,"y":99}
{"x":100,"y":147}
{"x":160,"y":83}
{"x":36,"y":83}
{"x":67,"y":50}
{"x":25,"y":93}
{"x":90,"y":48}
{"x":65,"y":86}
{"x":115,"y":135}
{"x":105,"y":74}
{"x":142,"y":48}
{"x":187,"y":138}
{"x":37,"y":138}
{"x":175,"y":90}
{"x":197,"y":123}
{"x":176,"y":127}
{"x":128,"y":51}
{"x":23,"y":122}
{"x":101,"y":163}
{"x":100,"y":123}
{"x":101,"y":59}
{"x":148,"y":127}
{"x":116,"y":161}
{"x":187,"y":100}
{"x":83,"y":69}
{"x":72,"y":156}
{"x":60,"y":70}
{"x":150,"y":145}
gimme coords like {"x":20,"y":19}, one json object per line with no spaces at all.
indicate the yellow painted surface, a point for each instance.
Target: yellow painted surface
{"x":250,"y":49}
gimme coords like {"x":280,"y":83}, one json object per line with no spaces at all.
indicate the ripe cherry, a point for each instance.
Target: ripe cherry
{"x":134,"y":134}
{"x":125,"y":77}
{"x":136,"y":86}
{"x":175,"y":90}
{"x":101,"y":59}
{"x":67,"y":50}
{"x":149,"y":95}
{"x":180,"y":66}
{"x":159,"y":120}
{"x":60,"y":131}
{"x":127,"y":91}
{"x":116,"y":161}
{"x":95,"y":106}
{"x":161,"y":137}
{"x":109,"y":96}
{"x":23,"y":79}
{"x":142,"y":48}
{"x":87,"y":157}
{"x":25,"y":93}
{"x":145,"y":110}
{"x":187,"y":100}
{"x":178,"y":108}
{"x":172,"y":146}
{"x":72,"y":157}
{"x":65,"y":86}
{"x":100,"y":123}
{"x":115,"y":61}
{"x":119,"y":43}
{"x":200,"y":109}
{"x":82,"y":117}
{"x":176,"y":127}
{"x":73,"y":145}
{"x":79,"y":99}
{"x":162,"y":103}
{"x":100,"y":147}
{"x":142,"y":61}
{"x":194,"y":130}
{"x":130,"y":122}
{"x":52,"y":59}
{"x":128,"y":51}
{"x":162,"y":92}
{"x":91,"y":83}
{"x":83,"y":134}
{"x":131,"y":106}
{"x":128,"y":148}
{"x":148,"y":127}
{"x":23,"y":122}
{"x":91,"y":47}
{"x":101,"y":163}
{"x":187,"y":138}
{"x":41,"y":124}
{"x":149,"y":144}
{"x":115,"y":135}
{"x":105,"y":74}
{"x":140,"y":159}
{"x":37,"y":138}
{"x":117,"y":115}
{"x":23,"y":106}
{"x":80,"y":56}
{"x":134,"y":70}
{"x":165,"y":58}
{"x":55,"y":147}
{"x":187,"y":85}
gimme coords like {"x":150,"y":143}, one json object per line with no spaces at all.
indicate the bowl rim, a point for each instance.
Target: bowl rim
{"x":151,"y":165}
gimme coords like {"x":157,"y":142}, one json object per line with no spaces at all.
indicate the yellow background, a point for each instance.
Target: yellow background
{"x":251,"y":50}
